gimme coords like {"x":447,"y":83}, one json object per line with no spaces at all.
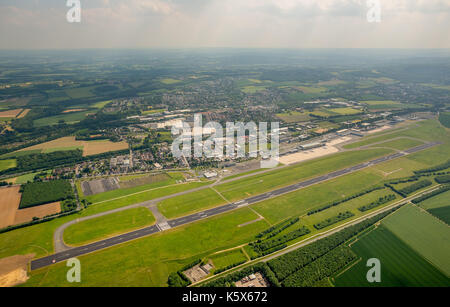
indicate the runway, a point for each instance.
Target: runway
{"x":89,"y":248}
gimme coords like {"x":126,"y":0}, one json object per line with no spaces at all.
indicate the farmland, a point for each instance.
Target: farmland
{"x":108,"y":226}
{"x":69,"y":143}
{"x":442,"y":213}
{"x":6,"y":164}
{"x":424,"y":233}
{"x":401,"y":266}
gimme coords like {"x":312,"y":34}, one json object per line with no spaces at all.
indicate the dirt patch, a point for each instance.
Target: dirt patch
{"x":10,"y":113}
{"x":99,"y":186}
{"x":198,"y":272}
{"x":74,"y":110}
{"x":9,"y":204}
{"x":13,"y":270}
{"x":27,"y":215}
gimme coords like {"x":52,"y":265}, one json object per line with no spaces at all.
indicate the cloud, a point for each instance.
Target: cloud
{"x":224,"y":23}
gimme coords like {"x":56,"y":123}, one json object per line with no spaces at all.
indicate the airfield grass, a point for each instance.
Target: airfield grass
{"x":298,"y":203}
{"x":6,"y":164}
{"x":225,"y":259}
{"x":400,"y":144}
{"x":108,"y":226}
{"x":69,"y":118}
{"x":258,"y":184}
{"x":148,"y":261}
{"x":429,"y":130}
{"x":140,"y":197}
{"x":345,"y":111}
{"x":424,"y":233}
{"x":442,"y":213}
{"x":190,"y":203}
{"x":401,"y":266}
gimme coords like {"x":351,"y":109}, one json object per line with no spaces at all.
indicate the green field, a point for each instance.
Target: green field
{"x":6,"y":164}
{"x":444,"y":119}
{"x":345,"y":111}
{"x":108,"y":226}
{"x":442,"y":213}
{"x":429,"y":130}
{"x":401,"y":266}
{"x":68,"y":118}
{"x":140,"y":197}
{"x":169,"y":81}
{"x":400,"y":144}
{"x":149,"y":261}
{"x":190,"y":203}
{"x":424,"y":233}
{"x":294,"y":117}
{"x":228,"y":258}
{"x":438,"y":201}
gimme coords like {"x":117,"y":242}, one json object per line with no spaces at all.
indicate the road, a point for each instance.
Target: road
{"x":78,"y":251}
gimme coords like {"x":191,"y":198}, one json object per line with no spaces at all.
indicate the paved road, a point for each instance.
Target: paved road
{"x":74,"y":252}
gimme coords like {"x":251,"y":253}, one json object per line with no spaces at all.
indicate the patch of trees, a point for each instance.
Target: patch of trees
{"x":321,"y":268}
{"x":230,"y":279}
{"x":442,"y":179}
{"x":338,"y":202}
{"x":414,"y":187}
{"x":262,"y":247}
{"x":289,"y":263}
{"x":178,"y":279}
{"x":436,"y":168}
{"x":276,"y":229}
{"x":334,"y":219}
{"x":431,"y":194}
{"x":39,"y":193}
{"x":380,"y":201}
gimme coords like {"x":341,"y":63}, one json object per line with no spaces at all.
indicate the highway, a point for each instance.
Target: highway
{"x":89,"y":248}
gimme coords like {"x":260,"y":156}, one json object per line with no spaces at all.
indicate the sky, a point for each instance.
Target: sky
{"x":42,"y":24}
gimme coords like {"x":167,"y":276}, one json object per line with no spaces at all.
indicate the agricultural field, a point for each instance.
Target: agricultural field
{"x":442,"y":213}
{"x":382,"y":104}
{"x":68,"y":118}
{"x":10,"y":113}
{"x":190,"y":203}
{"x":69,"y":143}
{"x":6,"y":164}
{"x":438,"y":201}
{"x":424,"y":233}
{"x":345,"y":111}
{"x":294,"y":117}
{"x":108,"y":226}
{"x":9,"y":204}
{"x":149,"y":261}
{"x":401,"y":266}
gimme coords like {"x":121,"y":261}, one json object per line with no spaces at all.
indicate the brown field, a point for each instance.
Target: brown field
{"x":89,"y":147}
{"x":143,"y":180}
{"x":98,"y":147}
{"x":74,"y":110}
{"x":26,"y":215}
{"x":13,"y":270}
{"x":24,"y":113}
{"x":10,"y":113}
{"x":9,"y":204}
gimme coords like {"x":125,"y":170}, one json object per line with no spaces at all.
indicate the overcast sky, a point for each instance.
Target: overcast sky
{"x":42,"y":24}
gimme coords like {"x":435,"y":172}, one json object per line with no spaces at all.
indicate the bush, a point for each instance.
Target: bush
{"x":414,"y":187}
{"x":442,"y":179}
{"x":379,"y":202}
{"x":432,"y":194}
{"x":333,"y":220}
